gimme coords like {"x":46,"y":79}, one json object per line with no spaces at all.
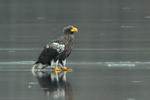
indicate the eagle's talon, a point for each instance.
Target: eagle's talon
{"x":57,"y":69}
{"x":67,"y":69}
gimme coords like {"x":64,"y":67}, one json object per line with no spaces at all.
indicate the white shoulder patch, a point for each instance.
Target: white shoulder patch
{"x":59,"y":47}
{"x":47,"y":46}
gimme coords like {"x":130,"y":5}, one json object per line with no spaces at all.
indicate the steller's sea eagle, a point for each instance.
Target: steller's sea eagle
{"x":57,"y":51}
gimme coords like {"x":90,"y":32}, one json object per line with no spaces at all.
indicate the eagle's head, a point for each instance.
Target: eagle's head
{"x":70,"y":29}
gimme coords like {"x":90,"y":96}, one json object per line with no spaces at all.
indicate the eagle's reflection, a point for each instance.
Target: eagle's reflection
{"x":55,"y":85}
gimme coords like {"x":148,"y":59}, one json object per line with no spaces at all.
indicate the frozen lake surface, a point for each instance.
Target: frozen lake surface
{"x":121,"y":80}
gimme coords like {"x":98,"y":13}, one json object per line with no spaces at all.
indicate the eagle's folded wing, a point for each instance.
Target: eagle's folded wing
{"x":60,"y":47}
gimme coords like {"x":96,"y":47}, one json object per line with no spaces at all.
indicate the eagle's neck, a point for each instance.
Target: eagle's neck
{"x":69,"y":38}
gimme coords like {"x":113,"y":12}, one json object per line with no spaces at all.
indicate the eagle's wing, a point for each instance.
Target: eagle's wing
{"x":51,"y":51}
{"x":57,"y":45}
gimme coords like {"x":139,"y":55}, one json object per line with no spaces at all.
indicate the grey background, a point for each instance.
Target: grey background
{"x":120,"y":26}
{"x":110,"y":60}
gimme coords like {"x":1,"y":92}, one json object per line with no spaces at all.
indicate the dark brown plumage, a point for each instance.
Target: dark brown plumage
{"x":58,"y":50}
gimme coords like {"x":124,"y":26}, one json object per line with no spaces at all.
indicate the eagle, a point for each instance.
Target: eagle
{"x":56,"y":51}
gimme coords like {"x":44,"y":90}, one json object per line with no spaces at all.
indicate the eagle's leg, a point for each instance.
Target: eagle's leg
{"x":56,"y":67}
{"x":63,"y":63}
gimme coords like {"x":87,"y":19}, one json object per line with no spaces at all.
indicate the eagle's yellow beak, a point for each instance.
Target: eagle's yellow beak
{"x":74,"y":29}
